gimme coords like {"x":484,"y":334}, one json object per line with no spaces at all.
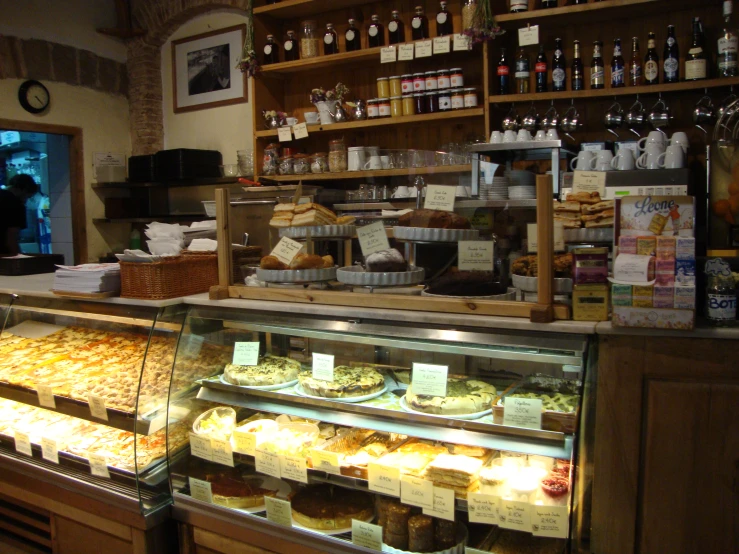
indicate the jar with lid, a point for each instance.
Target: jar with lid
{"x":396,"y":106}
{"x":457,"y":99}
{"x":456,"y":77}
{"x":309,"y":40}
{"x":445,"y":100}
{"x":432,"y":81}
{"x":721,"y":299}
{"x":419,"y":82}
{"x":330,"y":40}
{"x":373,"y":108}
{"x":292,"y":50}
{"x":383,"y":87}
{"x":270,"y":159}
{"x":442,"y":79}
{"x":384,"y":107}
{"x":432,"y":101}
{"x":406,"y":83}
{"x":396,"y":85}
{"x":271,"y":51}
{"x":285,"y":166}
{"x":336,"y":156}
{"x":301,"y":164}
{"x":468,"y":13}
{"x":409,"y":105}
{"x":319,"y":163}
{"x":470,"y":97}
{"x":420,"y":98}
{"x":352,"y":37}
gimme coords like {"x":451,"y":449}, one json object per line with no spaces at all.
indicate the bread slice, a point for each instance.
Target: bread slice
{"x":567,"y":215}
{"x":308,"y":206}
{"x":599,"y":207}
{"x":286,"y":207}
{"x":279,"y":222}
{"x":569,"y":223}
{"x":567,"y":207}
{"x":607,"y":222}
{"x":584,"y":197}
{"x":313,"y":217}
{"x":598,"y":216}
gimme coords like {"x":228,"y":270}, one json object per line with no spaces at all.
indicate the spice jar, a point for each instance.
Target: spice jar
{"x":396,"y":106}
{"x":457,"y":99}
{"x":432,"y":102}
{"x":373,"y":108}
{"x":319,"y":163}
{"x":309,"y":40}
{"x":442,"y":79}
{"x":336,"y":156}
{"x":301,"y":164}
{"x":384,"y":107}
{"x":419,"y":82}
{"x":396,"y":86}
{"x":456,"y":76}
{"x":269,"y":159}
{"x":420,"y":98}
{"x":383,"y":88}
{"x":406,"y":83}
{"x":470,"y":97}
{"x":286,"y":166}
{"x":432,"y":82}
{"x":445,"y":100}
{"x":409,"y":105}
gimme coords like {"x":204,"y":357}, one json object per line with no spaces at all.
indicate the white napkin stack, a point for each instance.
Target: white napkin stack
{"x":165,"y":239}
{"x":88,"y":278}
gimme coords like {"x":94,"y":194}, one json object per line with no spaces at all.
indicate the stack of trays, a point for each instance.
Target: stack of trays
{"x":522,"y":185}
{"x":498,"y":190}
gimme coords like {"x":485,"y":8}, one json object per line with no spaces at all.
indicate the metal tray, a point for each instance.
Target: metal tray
{"x":422,"y":234}
{"x":356,"y":275}
{"x":318,"y":231}
{"x":531,"y":284}
{"x":296,"y":275}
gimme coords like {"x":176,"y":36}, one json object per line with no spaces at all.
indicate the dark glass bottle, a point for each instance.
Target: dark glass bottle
{"x":271,"y":51}
{"x":559,"y":68}
{"x":330,"y":40}
{"x":578,"y":2}
{"x":395,"y":29}
{"x":444,"y":25}
{"x":548,"y":4}
{"x":696,"y":64}
{"x":671,"y":57}
{"x":578,"y":69}
{"x":419,"y":25}
{"x":504,"y":72}
{"x":597,"y":69}
{"x":352,"y":37}
{"x":523,"y":72}
{"x":541,"y":69}
{"x":635,"y":69}
{"x":618,"y":79}
{"x":292,"y":50}
{"x":651,"y":62}
{"x":376,"y":33}
{"x":727,"y":45}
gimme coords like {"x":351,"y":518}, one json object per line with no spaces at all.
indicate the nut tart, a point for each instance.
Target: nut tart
{"x":324,"y":507}
{"x":348,"y":381}
{"x":234,"y":491}
{"x":271,"y":370}
{"x":463,"y":396}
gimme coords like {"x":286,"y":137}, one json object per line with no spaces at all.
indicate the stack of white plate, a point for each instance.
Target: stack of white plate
{"x":498,"y":190}
{"x":523,"y":185}
{"x":521,"y":193}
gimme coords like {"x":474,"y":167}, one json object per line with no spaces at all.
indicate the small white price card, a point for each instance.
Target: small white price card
{"x":246,"y":443}
{"x":372,"y":238}
{"x":267,"y":463}
{"x":522,"y":412}
{"x":279,"y":511}
{"x":550,"y":521}
{"x":388,"y":54}
{"x":97,"y":407}
{"x":416,"y":492}
{"x":440,"y":197}
{"x":99,"y":465}
{"x":200,"y":447}
{"x":246,"y":353}
{"x":193,"y":345}
{"x":429,"y":379}
{"x":222,"y":452}
{"x":294,"y":467}
{"x":300,"y":131}
{"x":384,"y":479}
{"x":23,"y":443}
{"x":559,"y":237}
{"x":49,"y":450}
{"x":443,"y":504}
{"x":442,"y":45}
{"x":405,"y":52}
{"x":366,"y":534}
{"x":201,"y":490}
{"x":46,"y":396}
{"x":424,"y":48}
{"x":323,"y":366}
{"x":286,"y":250}
{"x":284,"y":134}
{"x":483,"y":508}
{"x":589,"y":181}
{"x":326,"y":461}
{"x":475,"y":255}
{"x":515,"y":515}
{"x":528,"y":35}
{"x":461,"y":42}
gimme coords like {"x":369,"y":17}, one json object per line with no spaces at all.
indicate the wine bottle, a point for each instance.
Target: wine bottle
{"x":727,"y":45}
{"x":292,"y":51}
{"x":353,"y":37}
{"x":395,"y":29}
{"x":523,"y":72}
{"x":330,"y":40}
{"x":444,"y":24}
{"x":419,"y":25}
{"x":696,"y":65}
{"x":376,"y":33}
{"x":271,"y":51}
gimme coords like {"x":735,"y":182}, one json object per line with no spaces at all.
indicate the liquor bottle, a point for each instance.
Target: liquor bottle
{"x":559,"y":65}
{"x":376,"y":33}
{"x":727,"y":45}
{"x":671,"y":57}
{"x":292,"y":51}
{"x":597,"y":69}
{"x":635,"y":76}
{"x":541,"y":70}
{"x":617,"y":66}
{"x":330,"y":40}
{"x":548,"y":4}
{"x":504,"y":71}
{"x":419,"y":25}
{"x":519,"y":6}
{"x":523,"y":72}
{"x":444,"y":21}
{"x":271,"y":51}
{"x":578,"y":69}
{"x":651,"y":62}
{"x":353,"y":37}
{"x":395,"y":29}
{"x":696,"y":65}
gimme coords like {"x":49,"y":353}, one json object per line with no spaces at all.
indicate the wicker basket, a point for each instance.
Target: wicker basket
{"x":190,"y":273}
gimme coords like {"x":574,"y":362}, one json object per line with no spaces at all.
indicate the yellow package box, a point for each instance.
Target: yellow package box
{"x":590,"y":302}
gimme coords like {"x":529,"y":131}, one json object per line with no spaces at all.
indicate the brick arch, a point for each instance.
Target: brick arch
{"x":160,"y":18}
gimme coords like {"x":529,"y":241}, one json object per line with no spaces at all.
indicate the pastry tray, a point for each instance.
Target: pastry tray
{"x":422,"y":234}
{"x":318,"y":231}
{"x":531,"y":284}
{"x":602,"y":234}
{"x":561,"y":422}
{"x":356,"y":275}
{"x":296,"y":275}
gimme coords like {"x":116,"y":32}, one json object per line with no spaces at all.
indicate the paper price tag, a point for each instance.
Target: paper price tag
{"x":559,"y":237}
{"x":326,"y":461}
{"x":461,"y":42}
{"x":372,"y":238}
{"x":590,"y":181}
{"x":284,"y":134}
{"x":23,"y":443}
{"x":528,"y":35}
{"x":475,"y":255}
{"x":279,"y":511}
{"x":388,"y":54}
{"x":294,"y":467}
{"x":515,"y":515}
{"x":323,"y":367}
{"x":429,"y":379}
{"x":200,"y":447}
{"x":424,"y":48}
{"x":405,"y":52}
{"x":550,"y":521}
{"x":384,"y":479}
{"x":46,"y":396}
{"x":246,"y":353}
{"x":246,"y":443}
{"x":417,"y":492}
{"x":300,"y":131}
{"x":97,"y":407}
{"x":440,"y":197}
{"x":99,"y":466}
{"x":483,"y":508}
{"x":267,"y":463}
{"x":192,"y":346}
{"x":49,"y":450}
{"x":201,"y":490}
{"x":222,"y":452}
{"x":366,"y":534}
{"x":442,"y":45}
{"x":443,"y":504}
{"x":522,"y":412}
{"x":286,"y":250}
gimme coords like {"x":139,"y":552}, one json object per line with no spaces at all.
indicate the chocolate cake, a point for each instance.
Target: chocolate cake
{"x":433,"y":219}
{"x":386,"y":261}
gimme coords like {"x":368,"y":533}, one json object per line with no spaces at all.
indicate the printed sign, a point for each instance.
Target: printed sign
{"x":384,"y":479}
{"x":550,"y":521}
{"x":522,"y":412}
{"x":475,"y":255}
{"x":323,"y":366}
{"x":443,"y":504}
{"x":286,"y":250}
{"x":416,"y":492}
{"x":326,"y":461}
{"x":109,"y":159}
{"x":515,"y":515}
{"x":246,"y":353}
{"x":429,"y":379}
{"x":483,"y":508}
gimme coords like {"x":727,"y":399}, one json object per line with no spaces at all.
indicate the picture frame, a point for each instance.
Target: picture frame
{"x":204,"y":72}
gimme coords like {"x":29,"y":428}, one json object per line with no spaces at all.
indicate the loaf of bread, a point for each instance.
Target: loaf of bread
{"x":307,"y":261}
{"x":433,"y":219}
{"x":445,"y":534}
{"x":421,"y":534}
{"x":271,"y":262}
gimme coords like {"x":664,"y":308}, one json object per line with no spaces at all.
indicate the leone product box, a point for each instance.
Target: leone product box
{"x":653,"y":318}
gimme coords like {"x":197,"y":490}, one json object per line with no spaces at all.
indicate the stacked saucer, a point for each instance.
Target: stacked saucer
{"x":523,"y":185}
{"x":498,"y":190}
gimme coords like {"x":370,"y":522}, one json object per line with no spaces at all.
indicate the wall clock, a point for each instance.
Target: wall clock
{"x":34,"y":97}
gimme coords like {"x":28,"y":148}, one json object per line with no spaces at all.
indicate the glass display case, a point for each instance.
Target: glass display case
{"x":333,"y":433}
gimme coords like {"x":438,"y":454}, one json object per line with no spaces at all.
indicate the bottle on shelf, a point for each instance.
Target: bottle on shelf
{"x":330,"y":40}
{"x":310,"y":40}
{"x":419,"y":25}
{"x":728,"y":42}
{"x":578,"y":69}
{"x":617,"y":65}
{"x":651,"y":62}
{"x":548,"y":4}
{"x":444,"y":24}
{"x":292,"y":50}
{"x":541,"y":70}
{"x":559,"y":67}
{"x":597,"y":69}
{"x":395,"y":29}
{"x":519,"y":6}
{"x":671,"y":57}
{"x":468,"y":13}
{"x":271,"y":51}
{"x":635,"y":69}
{"x":353,"y":37}
{"x":523,"y":72}
{"x":376,"y":33}
{"x":504,"y":71}
{"x":696,"y":64}
{"x":578,"y":2}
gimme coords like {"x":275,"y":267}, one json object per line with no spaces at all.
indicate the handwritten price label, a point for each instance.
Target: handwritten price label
{"x":388,"y":54}
{"x":483,"y":508}
{"x":222,"y":452}
{"x":461,"y":42}
{"x":366,"y":535}
{"x":201,"y":490}
{"x":300,"y":130}
{"x":278,"y":511}
{"x":416,"y":492}
{"x":384,"y":479}
{"x":515,"y":515}
{"x":476,"y":255}
{"x":440,"y":197}
{"x":443,"y":504}
{"x":99,"y":466}
{"x":50,"y":450}
{"x":46,"y":396}
{"x":424,"y":49}
{"x":429,"y":379}
{"x":246,"y":353}
{"x":284,"y":134}
{"x":200,"y":447}
{"x":550,"y":521}
{"x":294,"y":467}
{"x":372,"y":238}
{"x":246,"y":443}
{"x":97,"y":407}
{"x":522,"y":412}
{"x":442,"y":45}
{"x":326,"y":461}
{"x":323,"y":366}
{"x":528,"y":35}
{"x":590,"y":181}
{"x":286,"y":250}
{"x":268,"y":463}
{"x":23,"y":443}
{"x":405,"y":52}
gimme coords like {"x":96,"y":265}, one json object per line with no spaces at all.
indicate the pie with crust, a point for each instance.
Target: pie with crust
{"x":326,"y":507}
{"x":463,"y":396}
{"x":271,"y":370}
{"x":234,"y":491}
{"x":348,"y":382}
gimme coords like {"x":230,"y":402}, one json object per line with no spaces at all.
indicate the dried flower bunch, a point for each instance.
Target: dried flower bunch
{"x":483,"y":25}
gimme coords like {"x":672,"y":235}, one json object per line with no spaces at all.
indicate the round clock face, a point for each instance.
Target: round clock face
{"x":33,"y":96}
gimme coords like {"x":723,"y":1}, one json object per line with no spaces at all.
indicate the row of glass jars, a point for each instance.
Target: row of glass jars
{"x":397,"y":85}
{"x":290,"y":163}
{"x":422,"y":103}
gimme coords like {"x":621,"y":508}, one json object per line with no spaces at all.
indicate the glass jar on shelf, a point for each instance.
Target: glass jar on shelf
{"x":470,"y":97}
{"x":269,"y":159}
{"x":396,"y":85}
{"x":443,"y":79}
{"x":468,"y":12}
{"x":383,"y":87}
{"x":309,"y":40}
{"x":285,"y":166}
{"x":396,"y":106}
{"x":337,"y":156}
{"x":319,"y":163}
{"x":409,"y":105}
{"x":384,"y":107}
{"x":301,"y":164}
{"x":373,"y":108}
{"x":420,"y":98}
{"x":457,"y":99}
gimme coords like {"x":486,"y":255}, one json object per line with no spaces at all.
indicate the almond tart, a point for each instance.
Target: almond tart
{"x":233,"y":491}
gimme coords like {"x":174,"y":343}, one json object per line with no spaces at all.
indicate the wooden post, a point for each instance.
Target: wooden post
{"x":223,"y":218}
{"x":543,"y":311}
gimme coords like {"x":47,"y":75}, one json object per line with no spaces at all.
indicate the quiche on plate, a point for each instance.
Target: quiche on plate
{"x":271,"y":370}
{"x":463,"y":396}
{"x":348,"y":381}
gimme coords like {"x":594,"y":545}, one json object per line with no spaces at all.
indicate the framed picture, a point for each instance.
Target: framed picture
{"x":204,"y":73}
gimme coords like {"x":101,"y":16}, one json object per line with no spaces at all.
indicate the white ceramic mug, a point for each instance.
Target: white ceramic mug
{"x":496,"y":137}
{"x":649,"y":160}
{"x":552,"y":134}
{"x":356,"y":159}
{"x":582,"y":162}
{"x":540,"y":135}
{"x":523,"y":136}
{"x":374,"y":163}
{"x":291,"y":121}
{"x":654,"y":137}
{"x":604,"y":157}
{"x":672,"y":158}
{"x":624,"y":160}
{"x":680,"y":138}
{"x":385,"y":162}
{"x":509,"y":136}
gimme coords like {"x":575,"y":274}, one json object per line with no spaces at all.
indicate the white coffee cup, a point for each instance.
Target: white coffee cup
{"x":523,"y":136}
{"x":385,"y":162}
{"x":624,"y":160}
{"x":672,"y":158}
{"x":356,"y":158}
{"x":654,"y":137}
{"x":402,"y":192}
{"x":680,"y":138}
{"x":374,"y":163}
{"x":540,"y":135}
{"x":496,"y":137}
{"x":582,"y":162}
{"x":552,"y":134}
{"x":649,"y":160}
{"x":509,"y":136}
{"x":291,"y":121}
{"x":604,"y":156}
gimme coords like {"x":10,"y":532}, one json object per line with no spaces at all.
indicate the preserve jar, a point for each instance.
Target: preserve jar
{"x":409,"y":105}
{"x":383,"y":88}
{"x":396,"y":106}
{"x":470,"y":97}
{"x":336,"y":156}
{"x":432,"y":82}
{"x":285,"y":166}
{"x":373,"y":108}
{"x":419,"y":82}
{"x":432,"y":101}
{"x":457,"y":99}
{"x":319,"y":163}
{"x":456,"y":76}
{"x":420,"y":98}
{"x":445,"y":100}
{"x":406,"y":82}
{"x":309,"y":40}
{"x":396,"y":86}
{"x":301,"y":164}
{"x":442,"y":79}
{"x":270,"y":159}
{"x":384,"y":107}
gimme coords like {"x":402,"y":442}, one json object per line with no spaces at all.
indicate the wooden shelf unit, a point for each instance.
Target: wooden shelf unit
{"x":291,"y":9}
{"x":343,"y":175}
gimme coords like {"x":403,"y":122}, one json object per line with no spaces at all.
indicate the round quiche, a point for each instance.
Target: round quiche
{"x":463,"y":396}
{"x":348,"y":381}
{"x":271,"y":370}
